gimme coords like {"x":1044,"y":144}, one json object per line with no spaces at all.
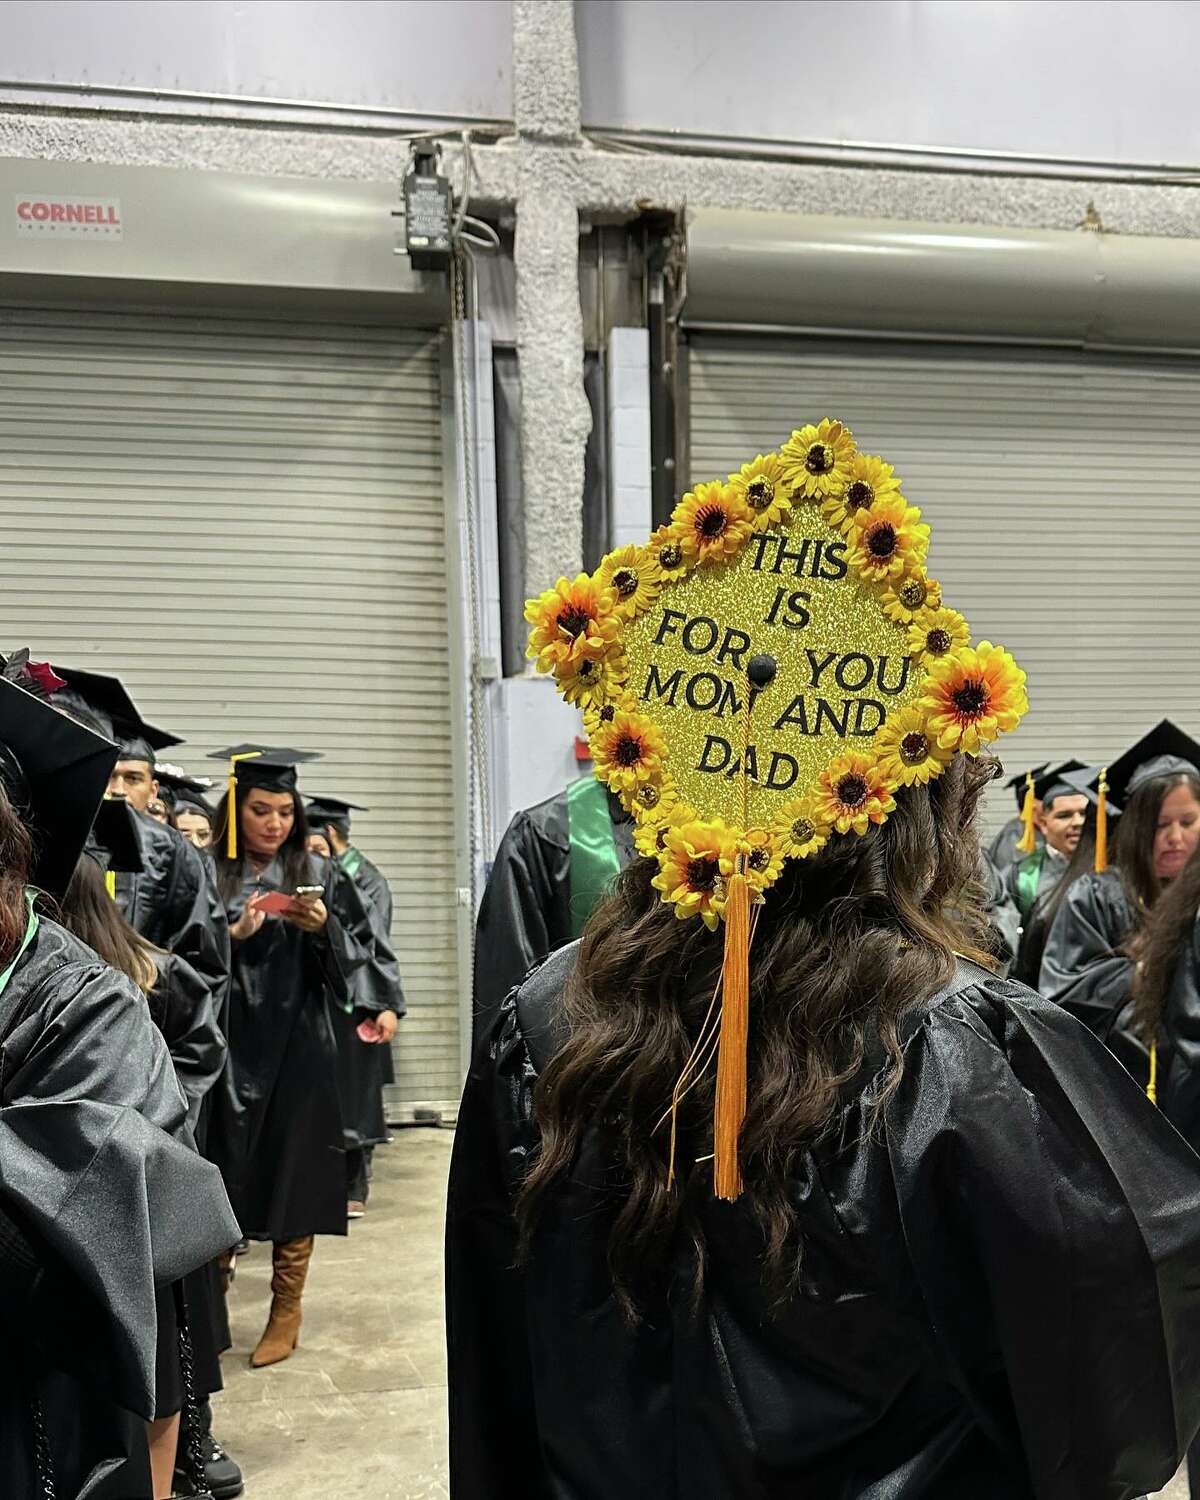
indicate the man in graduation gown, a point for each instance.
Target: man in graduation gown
{"x":552,"y":867}
{"x":364,"y":1067}
{"x":1003,"y":850}
{"x":172,"y":901}
{"x":1059,"y":813}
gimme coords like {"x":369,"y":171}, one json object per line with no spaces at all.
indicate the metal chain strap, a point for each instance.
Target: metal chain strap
{"x":42,"y":1457}
{"x":194,"y":1447}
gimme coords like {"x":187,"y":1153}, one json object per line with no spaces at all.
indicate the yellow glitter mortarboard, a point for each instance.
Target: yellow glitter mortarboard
{"x":768,"y":671}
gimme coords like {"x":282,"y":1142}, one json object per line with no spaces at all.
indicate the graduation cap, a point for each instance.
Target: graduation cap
{"x":113,"y":841}
{"x":1166,"y":750}
{"x":108,"y":698}
{"x":179,"y":789}
{"x":269,"y":768}
{"x":322,"y":810}
{"x":769,"y":671}
{"x":1024,"y":785}
{"x":1022,"y":782}
{"x":1086,"y":780}
{"x":54,"y":771}
{"x":1054,"y":781}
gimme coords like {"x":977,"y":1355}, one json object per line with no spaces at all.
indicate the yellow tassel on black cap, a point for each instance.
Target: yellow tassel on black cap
{"x":231,"y":820}
{"x":1028,"y":840}
{"x":1101,"y":861}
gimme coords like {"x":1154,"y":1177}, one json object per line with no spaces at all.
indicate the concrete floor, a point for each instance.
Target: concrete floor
{"x":359,"y":1411}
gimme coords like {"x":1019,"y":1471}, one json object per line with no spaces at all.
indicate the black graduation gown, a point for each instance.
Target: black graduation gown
{"x":102,"y":1198}
{"x":1031,"y":910}
{"x":1084,"y":971}
{"x":1179,"y":1045}
{"x":173,"y":902}
{"x":1002,"y":851}
{"x":182,"y":1007}
{"x":277,"y":1125}
{"x":364,"y":1067}
{"x":1001,"y":1297}
{"x":525,"y":912}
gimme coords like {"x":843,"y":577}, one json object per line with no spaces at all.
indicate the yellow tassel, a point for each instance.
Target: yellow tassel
{"x":110,"y":883}
{"x":735,"y":1025}
{"x":1101,"y":861}
{"x":1028,"y":840}
{"x":231,"y":822}
{"x":1152,"y":1086}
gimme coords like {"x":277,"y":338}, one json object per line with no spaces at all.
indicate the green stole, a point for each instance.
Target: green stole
{"x":1028,"y":875}
{"x":351,"y":861}
{"x":593,"y":851}
{"x":31,"y":927}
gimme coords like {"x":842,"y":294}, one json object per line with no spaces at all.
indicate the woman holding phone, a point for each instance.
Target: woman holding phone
{"x":298,"y":938}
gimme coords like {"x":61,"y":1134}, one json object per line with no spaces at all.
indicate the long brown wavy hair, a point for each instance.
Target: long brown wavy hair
{"x":1135,"y":849}
{"x":16,"y":864}
{"x":846,"y":943}
{"x":1161,"y":944}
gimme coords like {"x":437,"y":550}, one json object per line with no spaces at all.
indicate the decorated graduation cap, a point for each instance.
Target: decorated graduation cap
{"x":769,"y":671}
{"x":332,"y":810}
{"x":265,"y":767}
{"x":54,"y":769}
{"x":108,"y":698}
{"x":180,"y":789}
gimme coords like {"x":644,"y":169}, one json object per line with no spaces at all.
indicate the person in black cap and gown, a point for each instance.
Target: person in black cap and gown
{"x":1009,"y":843}
{"x":364,"y":1050}
{"x":553,"y":866}
{"x":172,"y":902}
{"x":93,"y":1132}
{"x":277,"y":1131}
{"x":1086,"y":966}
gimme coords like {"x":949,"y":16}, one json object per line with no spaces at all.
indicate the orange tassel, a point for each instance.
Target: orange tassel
{"x":735,"y":1026}
{"x":1028,"y":840}
{"x":1101,"y":860}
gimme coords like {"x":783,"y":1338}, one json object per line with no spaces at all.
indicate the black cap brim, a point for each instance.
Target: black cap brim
{"x":1166,"y":750}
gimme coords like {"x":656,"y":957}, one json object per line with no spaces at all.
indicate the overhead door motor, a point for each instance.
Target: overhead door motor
{"x":428,"y":209}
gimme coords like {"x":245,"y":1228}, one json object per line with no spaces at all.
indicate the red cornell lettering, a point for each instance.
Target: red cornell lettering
{"x":74,"y":213}
{"x":91,"y":213}
{"x":111,"y":215}
{"x":56,"y":213}
{"x":23,"y":210}
{"x":41,"y":211}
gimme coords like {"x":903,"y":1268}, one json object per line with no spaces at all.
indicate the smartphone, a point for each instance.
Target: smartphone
{"x":309,"y":890}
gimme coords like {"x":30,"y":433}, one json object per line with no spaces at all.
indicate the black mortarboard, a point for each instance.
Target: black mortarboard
{"x":55,"y":771}
{"x":113,"y":841}
{"x":1087,"y":781}
{"x":322,"y":810}
{"x":179,"y":789}
{"x":271,"y":768}
{"x":1017,"y":784}
{"x":1053,"y":781}
{"x":1166,"y":750}
{"x":107,"y":697}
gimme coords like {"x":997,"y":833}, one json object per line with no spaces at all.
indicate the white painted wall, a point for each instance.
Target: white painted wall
{"x":1109,"y":79}
{"x":430,"y":56}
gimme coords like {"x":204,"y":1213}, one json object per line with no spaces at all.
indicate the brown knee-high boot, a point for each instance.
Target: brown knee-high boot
{"x":282,"y":1333}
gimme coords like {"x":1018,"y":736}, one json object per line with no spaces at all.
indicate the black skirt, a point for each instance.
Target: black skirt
{"x":199,"y":1293}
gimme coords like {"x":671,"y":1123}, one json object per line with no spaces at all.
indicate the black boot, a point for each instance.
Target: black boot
{"x":221,"y":1473}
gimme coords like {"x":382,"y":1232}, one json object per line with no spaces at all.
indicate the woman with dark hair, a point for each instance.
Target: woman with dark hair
{"x":768,"y":1187}
{"x":1086,"y":964}
{"x":181,"y":1007}
{"x":299,"y":936}
{"x":93,"y":1136}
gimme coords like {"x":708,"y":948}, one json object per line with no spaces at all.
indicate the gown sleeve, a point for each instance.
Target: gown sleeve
{"x":97,"y":1163}
{"x":182,"y":1006}
{"x":1052,"y":1219}
{"x":375,"y":984}
{"x":513,"y":929}
{"x":495,"y":1453}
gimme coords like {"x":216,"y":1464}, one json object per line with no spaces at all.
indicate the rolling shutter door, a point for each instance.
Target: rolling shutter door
{"x":245,"y":521}
{"x":1062,"y":492}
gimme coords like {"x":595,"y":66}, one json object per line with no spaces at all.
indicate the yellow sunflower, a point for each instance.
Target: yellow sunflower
{"x":651,"y":799}
{"x":713,"y":521}
{"x":816,"y":460}
{"x":695,"y":864}
{"x":904,"y":597}
{"x":887,"y":539}
{"x":973,"y":695}
{"x":591,"y":683}
{"x":765,"y":492}
{"x":571,"y":622}
{"x":634,"y":577}
{"x":853,"y":792}
{"x":935,"y":633}
{"x":650,"y":835}
{"x":764,"y":859}
{"x":907,"y":751}
{"x":665,"y":548}
{"x":628,"y":751}
{"x":869,"y":479}
{"x":800,"y":829}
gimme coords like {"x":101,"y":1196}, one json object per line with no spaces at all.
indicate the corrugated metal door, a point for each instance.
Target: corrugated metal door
{"x":245,"y":521}
{"x":1064,"y":495}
